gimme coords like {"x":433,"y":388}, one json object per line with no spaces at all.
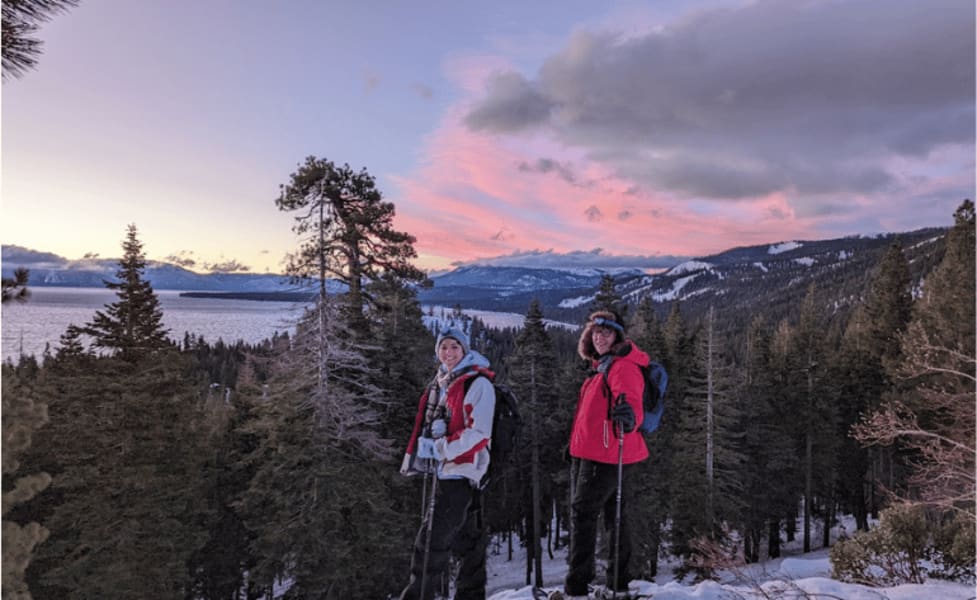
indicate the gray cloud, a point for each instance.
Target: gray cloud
{"x":227,"y":266}
{"x":579,"y":259}
{"x":501,"y":235}
{"x":803,"y":97}
{"x":547,"y":165}
{"x":182,"y":259}
{"x":512,"y":103}
{"x":593,"y":213}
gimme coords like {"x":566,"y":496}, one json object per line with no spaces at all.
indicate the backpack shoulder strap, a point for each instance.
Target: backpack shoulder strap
{"x":474,"y":373}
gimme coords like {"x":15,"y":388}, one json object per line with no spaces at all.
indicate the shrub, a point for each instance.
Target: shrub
{"x":954,"y":554}
{"x":890,"y":554}
{"x":905,"y":547}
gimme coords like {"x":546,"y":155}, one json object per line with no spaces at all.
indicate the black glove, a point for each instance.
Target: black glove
{"x":623,"y":416}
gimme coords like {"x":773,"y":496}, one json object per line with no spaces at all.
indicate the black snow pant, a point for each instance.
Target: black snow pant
{"x":595,"y":488}
{"x":457,"y":529}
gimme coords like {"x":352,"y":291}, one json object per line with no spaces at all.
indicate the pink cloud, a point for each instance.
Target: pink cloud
{"x":479,"y":196}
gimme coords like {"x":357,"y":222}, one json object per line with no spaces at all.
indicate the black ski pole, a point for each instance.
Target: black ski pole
{"x":424,"y":496}
{"x":617,"y":513}
{"x":427,"y":541}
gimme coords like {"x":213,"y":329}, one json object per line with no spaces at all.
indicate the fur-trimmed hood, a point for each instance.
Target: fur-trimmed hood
{"x":585,"y":345}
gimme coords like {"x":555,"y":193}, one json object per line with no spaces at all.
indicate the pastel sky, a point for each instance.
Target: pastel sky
{"x":564,"y":132}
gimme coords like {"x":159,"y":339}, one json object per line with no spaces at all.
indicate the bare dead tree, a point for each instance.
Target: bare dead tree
{"x":937,"y":420}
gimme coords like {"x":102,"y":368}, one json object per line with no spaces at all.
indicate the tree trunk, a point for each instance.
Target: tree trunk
{"x":829,"y":515}
{"x":537,"y":551}
{"x":773,"y":540}
{"x":710,"y":450}
{"x":808,"y":461}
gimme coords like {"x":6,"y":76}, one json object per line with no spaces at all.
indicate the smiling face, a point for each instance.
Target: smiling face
{"x":450,"y":353}
{"x":603,"y":338}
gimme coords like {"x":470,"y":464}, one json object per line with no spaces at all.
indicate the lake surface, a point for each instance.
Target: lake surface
{"x":29,"y":326}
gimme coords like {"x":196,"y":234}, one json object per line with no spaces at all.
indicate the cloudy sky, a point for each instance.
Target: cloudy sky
{"x":561,"y":132}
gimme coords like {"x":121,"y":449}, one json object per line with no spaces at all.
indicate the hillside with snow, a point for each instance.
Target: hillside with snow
{"x":769,"y":276}
{"x":796,"y":576}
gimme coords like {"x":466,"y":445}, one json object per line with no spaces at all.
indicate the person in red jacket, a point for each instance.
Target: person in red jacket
{"x":609,"y":407}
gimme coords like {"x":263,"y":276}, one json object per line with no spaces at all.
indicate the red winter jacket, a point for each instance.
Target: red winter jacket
{"x":470,"y":426}
{"x":592,"y":437}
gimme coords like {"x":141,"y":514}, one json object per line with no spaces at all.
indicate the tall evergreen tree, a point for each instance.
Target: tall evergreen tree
{"x":131,"y":326}
{"x":770,"y":456}
{"x":345,"y":229}
{"x":532,"y":373}
{"x":321,"y":465}
{"x":708,"y":447}
{"x":889,"y":304}
{"x":870,"y":342}
{"x":608,"y":298}
{"x":126,"y":454}
{"x":933,"y":412}
{"x":685,"y":430}
{"x":805,"y":377}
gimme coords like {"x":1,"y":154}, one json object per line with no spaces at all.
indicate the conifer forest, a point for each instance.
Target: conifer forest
{"x":141,"y":463}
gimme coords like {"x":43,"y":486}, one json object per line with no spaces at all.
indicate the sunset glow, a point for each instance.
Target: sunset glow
{"x":671,"y":129}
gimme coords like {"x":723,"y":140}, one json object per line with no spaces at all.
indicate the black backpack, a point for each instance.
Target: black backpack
{"x":506,"y":426}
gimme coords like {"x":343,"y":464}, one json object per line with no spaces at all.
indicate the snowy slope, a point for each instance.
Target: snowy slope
{"x":786,"y":578}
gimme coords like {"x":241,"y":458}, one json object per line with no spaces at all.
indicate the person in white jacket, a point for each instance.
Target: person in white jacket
{"x":451,"y":437}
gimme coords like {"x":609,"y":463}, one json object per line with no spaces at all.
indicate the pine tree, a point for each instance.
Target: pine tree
{"x":933,"y":413}
{"x":21,"y":20}
{"x":402,"y":350}
{"x":685,"y":436}
{"x":889,"y":305}
{"x":768,"y":447}
{"x":346,"y":231}
{"x":806,"y":376}
{"x":126,"y":454}
{"x":708,"y":445}
{"x":532,"y":372}
{"x":608,"y":298}
{"x":131,"y":326}
{"x":321,"y":465}
{"x":870,"y":342}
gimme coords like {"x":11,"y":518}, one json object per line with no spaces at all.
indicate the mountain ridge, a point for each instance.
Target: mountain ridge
{"x":774,"y":274}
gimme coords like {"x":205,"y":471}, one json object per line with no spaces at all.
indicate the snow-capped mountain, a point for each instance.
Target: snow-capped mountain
{"x":772,"y":276}
{"x":47,"y":269}
{"x":511,"y":289}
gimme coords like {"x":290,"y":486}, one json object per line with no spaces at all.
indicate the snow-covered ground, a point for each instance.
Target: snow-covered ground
{"x":796,"y":576}
{"x":435,"y":315}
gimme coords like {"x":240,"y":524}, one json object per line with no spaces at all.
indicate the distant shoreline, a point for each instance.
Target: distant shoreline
{"x":258,"y":296}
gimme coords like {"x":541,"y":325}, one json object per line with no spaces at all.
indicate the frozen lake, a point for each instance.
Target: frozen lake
{"x":29,"y":326}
